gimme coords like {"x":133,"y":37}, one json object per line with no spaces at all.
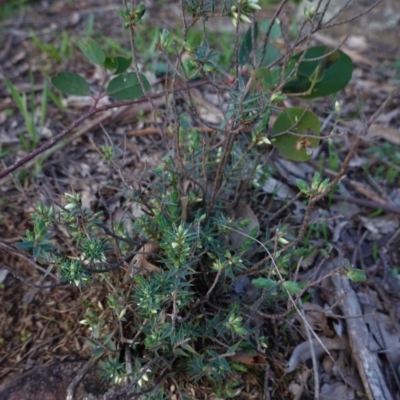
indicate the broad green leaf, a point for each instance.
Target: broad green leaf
{"x":92,"y":51}
{"x":297,"y":121}
{"x":272,"y":53}
{"x":71,"y":83}
{"x":119,"y":64}
{"x":111,"y":63}
{"x":265,"y":78}
{"x":275,"y":30}
{"x":127,"y":87}
{"x":322,"y":77}
{"x":246,"y":46}
{"x":322,"y":66}
{"x":123,"y":64}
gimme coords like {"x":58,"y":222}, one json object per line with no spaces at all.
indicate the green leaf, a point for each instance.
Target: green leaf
{"x":119,"y":64}
{"x":321,"y":77}
{"x":324,"y":184}
{"x":92,"y":51}
{"x":246,"y":47}
{"x":189,"y":348}
{"x":48,"y":270}
{"x":302,"y":185}
{"x":127,"y":87}
{"x":293,"y":287}
{"x":71,"y":83}
{"x":322,"y":66}
{"x":123,"y":64}
{"x":316,"y":181}
{"x":111,"y":63}
{"x":272,"y":53}
{"x":356,"y":275}
{"x":275,"y":31}
{"x":298,"y":121}
{"x":266,"y":79}
{"x":233,"y":348}
{"x":36,"y":252}
{"x":264,"y":283}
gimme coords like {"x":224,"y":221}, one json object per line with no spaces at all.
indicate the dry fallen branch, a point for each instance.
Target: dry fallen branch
{"x":366,"y":360}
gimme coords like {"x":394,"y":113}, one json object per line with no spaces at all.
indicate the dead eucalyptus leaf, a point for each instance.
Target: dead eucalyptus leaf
{"x":316,"y":318}
{"x":308,"y":261}
{"x":302,"y":352}
{"x":140,"y":264}
{"x":240,"y":212}
{"x":336,"y":390}
{"x":279,"y":189}
{"x":184,"y":203}
{"x":250,"y":359}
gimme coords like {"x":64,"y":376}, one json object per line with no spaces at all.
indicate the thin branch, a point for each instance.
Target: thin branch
{"x":83,"y":117}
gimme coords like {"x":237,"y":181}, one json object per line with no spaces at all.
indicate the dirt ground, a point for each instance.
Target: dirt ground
{"x":40,"y":328}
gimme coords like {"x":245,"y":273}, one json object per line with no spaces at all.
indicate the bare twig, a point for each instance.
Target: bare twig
{"x":312,"y":352}
{"x":78,"y":378}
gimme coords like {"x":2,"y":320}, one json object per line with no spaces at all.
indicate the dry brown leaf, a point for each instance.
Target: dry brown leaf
{"x":279,"y":189}
{"x":140,"y":264}
{"x":184,"y":203}
{"x":382,"y":225}
{"x":302,"y":352}
{"x":297,"y":388}
{"x":384,"y":333}
{"x":316,"y":318}
{"x":249,"y":359}
{"x":308,"y":261}
{"x":336,"y":390}
{"x":392,"y":135}
{"x":240,"y":212}
{"x":366,"y":191}
{"x":379,"y":131}
{"x":358,"y":43}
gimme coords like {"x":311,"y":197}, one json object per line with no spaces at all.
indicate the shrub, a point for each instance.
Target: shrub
{"x":201,"y":271}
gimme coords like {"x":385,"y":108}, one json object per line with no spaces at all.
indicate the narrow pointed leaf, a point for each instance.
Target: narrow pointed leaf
{"x":71,"y":83}
{"x":246,"y":46}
